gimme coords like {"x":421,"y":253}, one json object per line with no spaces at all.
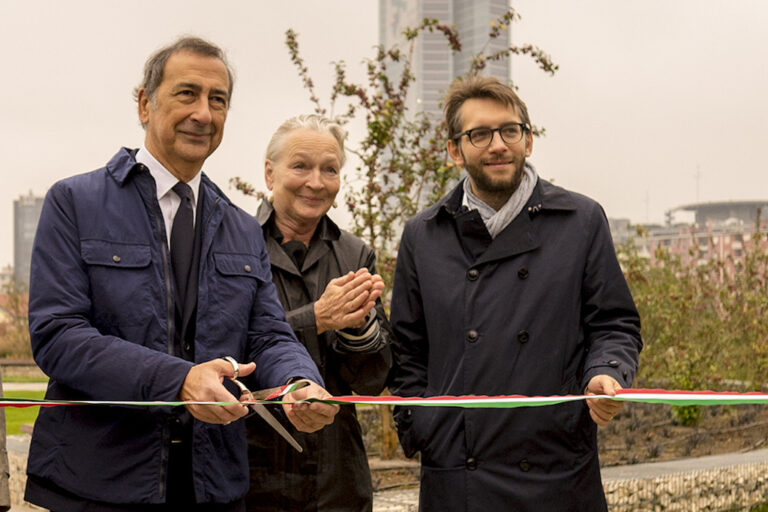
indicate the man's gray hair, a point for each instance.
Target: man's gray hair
{"x":313,"y":122}
{"x":153,"y":69}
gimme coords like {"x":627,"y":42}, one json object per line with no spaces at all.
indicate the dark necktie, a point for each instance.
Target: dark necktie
{"x":182,"y":238}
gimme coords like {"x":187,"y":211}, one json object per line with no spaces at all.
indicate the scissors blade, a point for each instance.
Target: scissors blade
{"x":262,"y":411}
{"x":275,"y":424}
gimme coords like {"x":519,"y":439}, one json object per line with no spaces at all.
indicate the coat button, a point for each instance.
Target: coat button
{"x":187,"y":347}
{"x":247,"y":268}
{"x":523,"y":337}
{"x":473,"y":274}
{"x":116,"y":258}
{"x":522,"y":273}
{"x":525,"y":465}
{"x":471,"y":464}
{"x":614,"y":363}
{"x":472,"y":335}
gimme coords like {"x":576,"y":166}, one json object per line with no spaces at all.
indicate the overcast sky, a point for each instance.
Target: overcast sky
{"x":657,"y":103}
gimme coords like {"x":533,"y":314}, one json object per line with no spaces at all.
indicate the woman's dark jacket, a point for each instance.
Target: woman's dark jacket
{"x":332,"y":473}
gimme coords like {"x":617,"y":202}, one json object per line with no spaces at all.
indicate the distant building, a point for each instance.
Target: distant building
{"x":26,"y":214}
{"x":621,"y":230}
{"x":743,"y":213}
{"x":6,"y":275}
{"x":434,"y":65}
{"x":713,"y":230}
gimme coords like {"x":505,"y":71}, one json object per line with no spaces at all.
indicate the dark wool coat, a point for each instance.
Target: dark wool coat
{"x":539,"y":310}
{"x":332,"y":474}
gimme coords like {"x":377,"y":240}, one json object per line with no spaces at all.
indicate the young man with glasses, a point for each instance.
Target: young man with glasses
{"x":509,"y":285}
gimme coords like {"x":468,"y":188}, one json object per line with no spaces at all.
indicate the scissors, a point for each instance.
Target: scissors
{"x":265,"y":394}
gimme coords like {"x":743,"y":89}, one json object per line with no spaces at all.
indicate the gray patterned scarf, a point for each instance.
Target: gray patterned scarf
{"x":496,"y":221}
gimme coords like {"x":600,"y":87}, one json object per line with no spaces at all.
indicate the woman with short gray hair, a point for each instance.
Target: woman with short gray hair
{"x":326,"y":280}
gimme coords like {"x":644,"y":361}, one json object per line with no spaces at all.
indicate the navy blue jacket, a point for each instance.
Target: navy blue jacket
{"x":540,"y":310}
{"x":102,"y":325}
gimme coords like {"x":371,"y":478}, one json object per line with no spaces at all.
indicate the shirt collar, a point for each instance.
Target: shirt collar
{"x":164,"y":180}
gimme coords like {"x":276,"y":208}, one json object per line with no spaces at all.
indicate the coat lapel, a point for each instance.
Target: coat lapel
{"x":279,"y":259}
{"x":523,"y":233}
{"x":519,"y":237}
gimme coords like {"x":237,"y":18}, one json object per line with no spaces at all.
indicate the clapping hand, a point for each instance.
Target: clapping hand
{"x":347,"y":300}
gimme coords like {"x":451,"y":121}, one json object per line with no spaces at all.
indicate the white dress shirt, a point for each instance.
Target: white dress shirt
{"x":165,"y":181}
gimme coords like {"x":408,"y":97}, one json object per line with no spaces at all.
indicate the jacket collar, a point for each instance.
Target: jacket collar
{"x":522,"y":234}
{"x":123,"y":168}
{"x":545,"y":197}
{"x":549,"y":197}
{"x":327,"y":232}
{"x":326,"y":228}
{"x":122,"y":165}
{"x":449,"y":205}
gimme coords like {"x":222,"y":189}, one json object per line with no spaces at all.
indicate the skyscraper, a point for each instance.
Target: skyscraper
{"x":26,"y":214}
{"x":434,"y":65}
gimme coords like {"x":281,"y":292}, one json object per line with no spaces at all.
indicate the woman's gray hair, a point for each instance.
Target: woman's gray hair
{"x":313,"y":122}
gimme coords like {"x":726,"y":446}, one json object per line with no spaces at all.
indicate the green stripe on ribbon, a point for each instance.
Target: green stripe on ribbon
{"x":657,"y":396}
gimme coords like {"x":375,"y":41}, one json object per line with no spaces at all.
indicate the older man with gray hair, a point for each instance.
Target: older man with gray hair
{"x":144,"y":278}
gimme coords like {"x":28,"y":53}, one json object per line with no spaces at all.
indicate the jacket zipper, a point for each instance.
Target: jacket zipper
{"x":207,"y":221}
{"x":164,"y":452}
{"x":168,"y":296}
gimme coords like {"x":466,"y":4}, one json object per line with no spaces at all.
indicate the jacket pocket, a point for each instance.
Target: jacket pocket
{"x":231,"y":291}
{"x":242,"y":265}
{"x":115,"y":254}
{"x":415,"y":426}
{"x":576,"y":426}
{"x":403,"y":416}
{"x":122,"y":286}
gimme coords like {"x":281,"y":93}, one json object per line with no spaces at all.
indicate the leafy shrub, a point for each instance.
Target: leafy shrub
{"x":703,"y":320}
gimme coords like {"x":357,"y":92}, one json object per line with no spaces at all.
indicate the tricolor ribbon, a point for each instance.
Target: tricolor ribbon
{"x":660,"y":396}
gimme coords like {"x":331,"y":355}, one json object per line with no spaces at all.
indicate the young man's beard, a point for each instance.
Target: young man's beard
{"x":495,"y":186}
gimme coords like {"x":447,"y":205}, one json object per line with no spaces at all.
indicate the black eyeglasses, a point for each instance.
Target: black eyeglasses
{"x":482,"y":137}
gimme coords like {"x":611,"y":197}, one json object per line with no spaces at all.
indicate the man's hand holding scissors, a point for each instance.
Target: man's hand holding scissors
{"x":204,"y":384}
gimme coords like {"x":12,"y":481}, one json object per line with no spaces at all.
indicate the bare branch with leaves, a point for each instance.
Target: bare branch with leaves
{"x":403,"y":166}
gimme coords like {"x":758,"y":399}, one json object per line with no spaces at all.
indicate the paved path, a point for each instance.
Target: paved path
{"x":656,"y":469}
{"x":25,"y":386}
{"x":406,"y":500}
